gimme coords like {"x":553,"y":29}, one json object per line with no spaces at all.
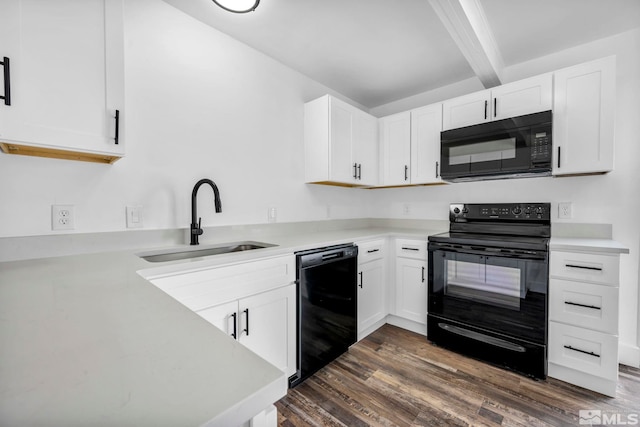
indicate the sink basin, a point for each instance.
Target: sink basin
{"x":196,"y":252}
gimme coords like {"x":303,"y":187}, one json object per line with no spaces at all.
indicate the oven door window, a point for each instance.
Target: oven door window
{"x":495,"y":281}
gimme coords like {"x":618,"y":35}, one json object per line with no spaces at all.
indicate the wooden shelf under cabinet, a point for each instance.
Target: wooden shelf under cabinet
{"x":55,"y":153}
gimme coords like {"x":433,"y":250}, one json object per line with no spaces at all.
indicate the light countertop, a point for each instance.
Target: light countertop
{"x":87,"y":340}
{"x":584,"y":244}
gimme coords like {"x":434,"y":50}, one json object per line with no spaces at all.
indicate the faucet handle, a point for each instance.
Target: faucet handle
{"x":197,"y":230}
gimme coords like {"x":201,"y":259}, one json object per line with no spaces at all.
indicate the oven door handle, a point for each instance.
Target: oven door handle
{"x":519,"y":254}
{"x":482,"y":338}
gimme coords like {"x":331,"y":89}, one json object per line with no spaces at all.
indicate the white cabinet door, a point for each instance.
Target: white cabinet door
{"x":66,"y":74}
{"x":267,"y":325}
{"x":341,"y":140}
{"x":466,"y":110}
{"x":396,"y":148}
{"x":583,"y":117}
{"x":365,"y":149}
{"x":522,"y":97}
{"x":411,"y":289}
{"x":371,"y":294}
{"x":426,"y":125}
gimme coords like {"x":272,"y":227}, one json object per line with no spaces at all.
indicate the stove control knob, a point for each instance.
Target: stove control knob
{"x":456,"y":211}
{"x":516,"y":210}
{"x":465,"y":210}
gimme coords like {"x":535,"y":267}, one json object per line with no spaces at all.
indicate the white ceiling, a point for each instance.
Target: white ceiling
{"x":379,"y":51}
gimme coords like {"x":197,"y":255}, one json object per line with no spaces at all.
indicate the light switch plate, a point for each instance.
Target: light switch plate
{"x":134,"y":216}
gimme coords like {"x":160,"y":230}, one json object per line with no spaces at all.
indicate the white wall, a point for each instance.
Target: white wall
{"x":198,"y":104}
{"x":613,"y":198}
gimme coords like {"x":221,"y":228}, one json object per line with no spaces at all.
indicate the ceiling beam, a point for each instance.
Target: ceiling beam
{"x":467,"y":24}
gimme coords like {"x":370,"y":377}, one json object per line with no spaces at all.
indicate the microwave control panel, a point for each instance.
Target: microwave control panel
{"x":540,"y":145}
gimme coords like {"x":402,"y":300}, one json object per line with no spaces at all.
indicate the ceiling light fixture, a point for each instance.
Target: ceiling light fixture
{"x":238,"y":6}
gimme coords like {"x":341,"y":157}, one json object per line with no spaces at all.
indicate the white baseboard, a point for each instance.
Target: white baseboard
{"x":410,"y":325}
{"x":629,"y":355}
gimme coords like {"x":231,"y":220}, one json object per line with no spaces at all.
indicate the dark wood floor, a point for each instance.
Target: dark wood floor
{"x":397,"y":378}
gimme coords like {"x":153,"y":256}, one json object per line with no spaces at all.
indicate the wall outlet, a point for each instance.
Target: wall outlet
{"x":134,"y":216}
{"x":63,"y":217}
{"x":564,"y":210}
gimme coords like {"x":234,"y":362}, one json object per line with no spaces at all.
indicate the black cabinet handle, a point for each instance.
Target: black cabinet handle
{"x":117,"y":117}
{"x":359,"y":170}
{"x":7,"y":81}
{"x":422,"y":274}
{"x":486,"y":104}
{"x":406,"y":172}
{"x":437,"y":169}
{"x":361,"y":280}
{"x":410,"y":249}
{"x":235,"y":330}
{"x":583,"y":267}
{"x":370,"y":251}
{"x":355,"y":171}
{"x":495,"y":107}
{"x":246,"y":312}
{"x":590,"y":353}
{"x":558,"y":157}
{"x":583,"y":305}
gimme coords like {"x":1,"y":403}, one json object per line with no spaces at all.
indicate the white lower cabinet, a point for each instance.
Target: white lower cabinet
{"x":411,"y":280}
{"x":255,"y":301}
{"x":372,"y":289}
{"x":583,"y":319}
{"x":264,"y":323}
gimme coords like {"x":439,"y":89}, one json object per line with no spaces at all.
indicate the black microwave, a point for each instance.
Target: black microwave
{"x":515,"y":147}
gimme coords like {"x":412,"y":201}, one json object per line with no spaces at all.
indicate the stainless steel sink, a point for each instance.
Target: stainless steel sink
{"x":181,"y":253}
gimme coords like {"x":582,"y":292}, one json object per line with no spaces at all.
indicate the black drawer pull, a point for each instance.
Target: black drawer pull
{"x":582,"y":305}
{"x":370,"y":251}
{"x":235,"y":330}
{"x":422,"y":274}
{"x":117,"y":117}
{"x":361,"y":280}
{"x":590,"y":353}
{"x":246,"y":311}
{"x":7,"y":81}
{"x":584,"y":267}
{"x":410,"y":249}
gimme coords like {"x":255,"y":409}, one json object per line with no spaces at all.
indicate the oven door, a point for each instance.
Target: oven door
{"x":500,"y":290}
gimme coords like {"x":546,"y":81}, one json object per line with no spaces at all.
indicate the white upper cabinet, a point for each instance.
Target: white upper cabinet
{"x":396,"y":148}
{"x":426,"y":125}
{"x":526,"y":96}
{"x":341,"y":144}
{"x":411,"y":146}
{"x":584,"y":117}
{"x":66,"y":76}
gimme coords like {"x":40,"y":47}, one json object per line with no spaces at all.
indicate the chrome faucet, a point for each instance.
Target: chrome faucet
{"x":195,"y":228}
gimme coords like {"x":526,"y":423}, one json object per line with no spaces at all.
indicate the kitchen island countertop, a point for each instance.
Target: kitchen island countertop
{"x":87,"y":340}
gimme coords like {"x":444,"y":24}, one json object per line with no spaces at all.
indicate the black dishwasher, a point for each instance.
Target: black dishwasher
{"x":327,"y":306}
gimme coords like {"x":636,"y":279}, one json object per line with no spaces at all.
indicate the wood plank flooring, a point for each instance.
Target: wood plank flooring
{"x":397,"y":378}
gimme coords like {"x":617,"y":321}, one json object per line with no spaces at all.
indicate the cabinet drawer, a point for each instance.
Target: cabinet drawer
{"x":592,"y":352}
{"x":411,"y":248}
{"x":583,"y":304}
{"x":208,"y":287}
{"x":372,"y":250}
{"x":593,"y":268}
